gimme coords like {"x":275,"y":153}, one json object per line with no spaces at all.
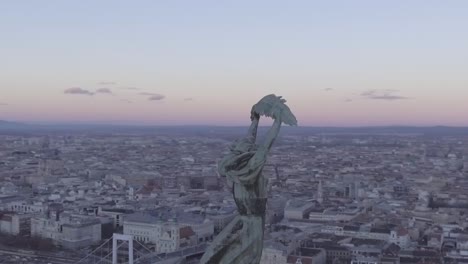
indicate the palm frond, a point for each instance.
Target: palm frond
{"x":275,"y":107}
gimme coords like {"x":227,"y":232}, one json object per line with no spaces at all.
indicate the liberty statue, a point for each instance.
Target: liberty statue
{"x":241,"y":241}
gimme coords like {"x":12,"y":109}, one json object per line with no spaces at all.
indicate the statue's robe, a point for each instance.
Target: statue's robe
{"x":241,"y":241}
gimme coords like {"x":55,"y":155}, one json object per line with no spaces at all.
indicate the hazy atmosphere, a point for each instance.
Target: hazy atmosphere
{"x":233,"y":132}
{"x":340,"y":63}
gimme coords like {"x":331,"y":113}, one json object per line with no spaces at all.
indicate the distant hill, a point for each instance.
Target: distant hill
{"x":8,"y":125}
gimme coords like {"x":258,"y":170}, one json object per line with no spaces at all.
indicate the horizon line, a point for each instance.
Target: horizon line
{"x":61,"y":123}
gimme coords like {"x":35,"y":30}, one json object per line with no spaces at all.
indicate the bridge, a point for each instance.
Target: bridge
{"x":124,"y":249}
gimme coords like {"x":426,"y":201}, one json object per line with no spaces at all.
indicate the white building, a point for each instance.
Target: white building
{"x":26,"y":207}
{"x":401,"y":238}
{"x":365,"y":260}
{"x":296,"y":209}
{"x":72,"y":232}
{"x":274,"y":253}
{"x":335,"y":214}
{"x":167,"y":236}
{"x":14,"y":224}
{"x":357,"y":232}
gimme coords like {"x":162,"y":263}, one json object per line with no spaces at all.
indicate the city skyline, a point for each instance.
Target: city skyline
{"x":337,"y":63}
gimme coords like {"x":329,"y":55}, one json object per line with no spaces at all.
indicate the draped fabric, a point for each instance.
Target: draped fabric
{"x":241,"y":242}
{"x":241,"y":168}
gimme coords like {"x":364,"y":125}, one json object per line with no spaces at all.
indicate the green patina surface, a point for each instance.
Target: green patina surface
{"x":241,"y":241}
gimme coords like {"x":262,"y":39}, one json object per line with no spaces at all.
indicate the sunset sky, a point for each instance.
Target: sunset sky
{"x":338,"y":63}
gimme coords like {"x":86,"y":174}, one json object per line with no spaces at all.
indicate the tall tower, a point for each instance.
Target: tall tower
{"x":320,"y":192}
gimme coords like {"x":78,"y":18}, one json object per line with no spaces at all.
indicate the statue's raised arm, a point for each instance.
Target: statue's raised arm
{"x":275,"y":107}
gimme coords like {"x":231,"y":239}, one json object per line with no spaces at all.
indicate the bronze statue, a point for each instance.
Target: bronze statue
{"x":241,"y":241}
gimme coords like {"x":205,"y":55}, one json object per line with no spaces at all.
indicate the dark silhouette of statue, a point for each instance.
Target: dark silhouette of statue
{"x":241,"y":241}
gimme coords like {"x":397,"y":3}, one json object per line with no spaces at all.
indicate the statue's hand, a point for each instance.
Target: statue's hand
{"x":275,"y":107}
{"x":254,"y":115}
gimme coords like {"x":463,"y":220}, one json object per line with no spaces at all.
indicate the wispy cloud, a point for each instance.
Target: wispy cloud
{"x":348,"y":100}
{"x":126,"y":101}
{"x":3,"y":104}
{"x":78,"y":91}
{"x":153,"y":96}
{"x":104,"y":91}
{"x":386,"y":94}
{"x":156,"y":97}
{"x":106,"y":83}
{"x":130,"y":88}
{"x":328,"y":89}
{"x":188,"y":99}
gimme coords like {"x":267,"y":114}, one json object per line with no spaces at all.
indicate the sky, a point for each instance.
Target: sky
{"x":337,"y":63}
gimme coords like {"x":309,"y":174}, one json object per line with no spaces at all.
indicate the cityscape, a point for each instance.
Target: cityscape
{"x":395,"y":195}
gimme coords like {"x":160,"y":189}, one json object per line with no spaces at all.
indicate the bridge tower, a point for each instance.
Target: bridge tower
{"x":119,"y":237}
